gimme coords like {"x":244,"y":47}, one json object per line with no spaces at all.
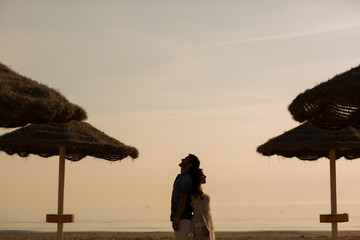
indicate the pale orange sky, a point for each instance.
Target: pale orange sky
{"x":171,"y":78}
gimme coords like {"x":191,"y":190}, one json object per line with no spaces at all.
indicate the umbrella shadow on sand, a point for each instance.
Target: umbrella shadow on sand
{"x":309,"y":143}
{"x":73,"y":141}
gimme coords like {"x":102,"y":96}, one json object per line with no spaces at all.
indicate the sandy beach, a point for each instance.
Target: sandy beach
{"x":275,"y":235}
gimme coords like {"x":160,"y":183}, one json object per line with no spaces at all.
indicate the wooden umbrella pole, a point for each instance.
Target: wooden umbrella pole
{"x":60,"y":233}
{"x":334,"y":225}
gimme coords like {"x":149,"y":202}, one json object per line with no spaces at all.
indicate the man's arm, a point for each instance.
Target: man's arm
{"x":180,"y":209}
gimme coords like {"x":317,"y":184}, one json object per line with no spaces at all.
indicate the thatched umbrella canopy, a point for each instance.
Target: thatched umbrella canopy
{"x":307,"y":142}
{"x":26,"y":101}
{"x":73,"y":140}
{"x":333,"y":104}
{"x":79,"y":138}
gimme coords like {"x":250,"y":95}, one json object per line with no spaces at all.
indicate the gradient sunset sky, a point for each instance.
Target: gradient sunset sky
{"x":212,"y":78}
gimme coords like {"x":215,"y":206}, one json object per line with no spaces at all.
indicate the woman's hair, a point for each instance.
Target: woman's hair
{"x":196,"y":175}
{"x":194,"y":160}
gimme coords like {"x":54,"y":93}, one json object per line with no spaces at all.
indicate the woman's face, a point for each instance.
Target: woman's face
{"x":203,"y":178}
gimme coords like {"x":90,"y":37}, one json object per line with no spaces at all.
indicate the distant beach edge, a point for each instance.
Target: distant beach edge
{"x":261,"y":235}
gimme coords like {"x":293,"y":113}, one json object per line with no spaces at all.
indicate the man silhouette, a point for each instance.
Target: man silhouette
{"x":181,"y":210}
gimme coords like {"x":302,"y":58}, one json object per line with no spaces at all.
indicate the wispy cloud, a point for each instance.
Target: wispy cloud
{"x":290,"y":35}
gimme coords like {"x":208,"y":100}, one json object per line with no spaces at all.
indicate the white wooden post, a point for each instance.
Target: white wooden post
{"x":60,"y":233}
{"x":334,"y":225}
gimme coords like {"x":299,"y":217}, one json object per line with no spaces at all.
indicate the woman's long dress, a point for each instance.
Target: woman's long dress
{"x":202,"y":218}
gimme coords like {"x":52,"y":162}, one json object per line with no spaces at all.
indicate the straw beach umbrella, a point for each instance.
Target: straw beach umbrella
{"x":26,"y":101}
{"x":73,"y":141}
{"x":307,"y":142}
{"x":332,"y":104}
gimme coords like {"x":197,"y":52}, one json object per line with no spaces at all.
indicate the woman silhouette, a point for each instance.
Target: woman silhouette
{"x":202,"y":227}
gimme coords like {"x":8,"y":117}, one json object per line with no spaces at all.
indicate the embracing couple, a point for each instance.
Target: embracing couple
{"x":190,"y":209}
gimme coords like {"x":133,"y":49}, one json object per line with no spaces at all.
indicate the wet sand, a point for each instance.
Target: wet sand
{"x":273,"y":235}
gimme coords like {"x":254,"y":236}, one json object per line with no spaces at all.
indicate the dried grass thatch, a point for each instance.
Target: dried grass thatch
{"x":333,"y":104}
{"x":307,"y":142}
{"x":80,"y":139}
{"x":26,"y":101}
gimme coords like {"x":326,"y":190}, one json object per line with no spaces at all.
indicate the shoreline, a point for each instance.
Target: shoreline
{"x":221,"y":235}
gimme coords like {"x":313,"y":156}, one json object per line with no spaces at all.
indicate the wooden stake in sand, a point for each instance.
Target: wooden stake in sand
{"x":60,"y":218}
{"x":333,"y":218}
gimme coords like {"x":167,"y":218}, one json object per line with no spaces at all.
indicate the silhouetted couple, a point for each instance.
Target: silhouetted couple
{"x":190,"y":206}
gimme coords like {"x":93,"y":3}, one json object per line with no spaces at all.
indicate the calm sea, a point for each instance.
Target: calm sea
{"x":243,"y":218}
